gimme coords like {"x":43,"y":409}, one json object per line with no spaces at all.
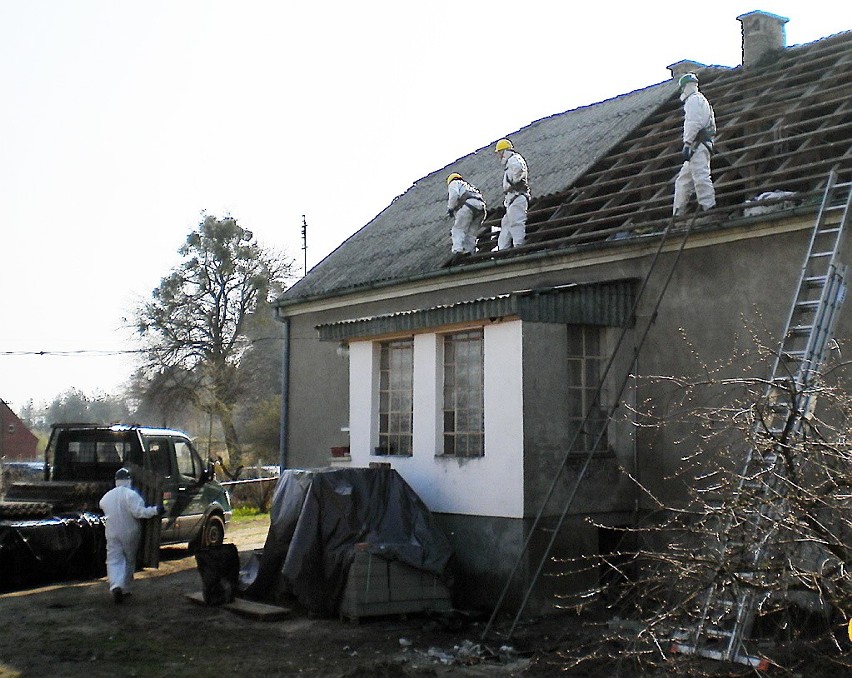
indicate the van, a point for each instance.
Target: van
{"x":165,"y":469}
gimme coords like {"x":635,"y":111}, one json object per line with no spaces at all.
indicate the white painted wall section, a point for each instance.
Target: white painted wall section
{"x":491,"y":485}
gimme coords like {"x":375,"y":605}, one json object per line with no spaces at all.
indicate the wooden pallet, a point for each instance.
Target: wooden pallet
{"x":247,"y":608}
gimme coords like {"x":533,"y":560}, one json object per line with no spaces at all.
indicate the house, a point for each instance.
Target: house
{"x":472,"y":379}
{"x":17,"y":442}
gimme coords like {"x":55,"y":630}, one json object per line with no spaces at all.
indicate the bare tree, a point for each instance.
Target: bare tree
{"x":767,"y":533}
{"x":194,"y":326}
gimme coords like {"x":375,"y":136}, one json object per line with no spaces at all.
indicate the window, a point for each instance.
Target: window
{"x":464,"y":400}
{"x":396,"y":382}
{"x":185,"y":459}
{"x":159,"y":455}
{"x":585,"y":364}
{"x":97,"y":451}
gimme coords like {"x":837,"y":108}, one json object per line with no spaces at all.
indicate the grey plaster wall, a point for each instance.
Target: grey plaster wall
{"x":548,"y":436}
{"x":319,"y":397}
{"x":723,"y":303}
{"x":488,"y":549}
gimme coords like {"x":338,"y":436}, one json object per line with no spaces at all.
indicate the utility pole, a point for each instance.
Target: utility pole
{"x":305,"y":242}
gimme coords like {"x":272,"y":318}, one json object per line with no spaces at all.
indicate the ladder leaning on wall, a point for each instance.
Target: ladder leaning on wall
{"x":730,"y":603}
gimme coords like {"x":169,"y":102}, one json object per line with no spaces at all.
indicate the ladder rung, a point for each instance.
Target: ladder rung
{"x":757,"y":662}
{"x":717,"y":633}
{"x":801,"y":329}
{"x":826,"y":231}
{"x":811,"y":303}
{"x":816,"y":280}
{"x":821,"y":254}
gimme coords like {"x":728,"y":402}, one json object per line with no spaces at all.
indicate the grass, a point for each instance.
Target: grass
{"x":244,"y":513}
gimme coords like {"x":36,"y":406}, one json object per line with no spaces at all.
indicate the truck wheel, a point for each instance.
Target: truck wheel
{"x":213,"y":531}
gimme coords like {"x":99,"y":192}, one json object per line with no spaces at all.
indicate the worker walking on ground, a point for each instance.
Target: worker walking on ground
{"x":466,"y":206}
{"x":513,"y":226}
{"x":699,"y":130}
{"x":123,"y":508}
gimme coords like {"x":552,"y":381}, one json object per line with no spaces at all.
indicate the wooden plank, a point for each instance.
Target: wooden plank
{"x":247,"y":608}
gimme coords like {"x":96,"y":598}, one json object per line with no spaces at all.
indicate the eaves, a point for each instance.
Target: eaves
{"x":576,"y":258}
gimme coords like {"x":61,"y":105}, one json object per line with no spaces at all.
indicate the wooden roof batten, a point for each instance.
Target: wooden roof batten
{"x":787,"y":136}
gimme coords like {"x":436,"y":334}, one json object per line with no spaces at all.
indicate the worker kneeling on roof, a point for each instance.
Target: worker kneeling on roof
{"x":466,"y":205}
{"x":513,"y":227}
{"x":699,"y":130}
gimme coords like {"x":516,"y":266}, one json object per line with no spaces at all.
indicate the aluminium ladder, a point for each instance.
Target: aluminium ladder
{"x":729,"y":605}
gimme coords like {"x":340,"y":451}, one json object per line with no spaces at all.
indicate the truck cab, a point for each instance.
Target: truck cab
{"x":166,"y":470}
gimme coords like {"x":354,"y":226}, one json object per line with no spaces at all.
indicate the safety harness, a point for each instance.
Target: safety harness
{"x":519,"y":188}
{"x":473,"y":200}
{"x":707,"y":133}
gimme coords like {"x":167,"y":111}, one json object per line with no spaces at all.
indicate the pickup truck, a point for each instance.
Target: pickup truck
{"x":80,"y":465}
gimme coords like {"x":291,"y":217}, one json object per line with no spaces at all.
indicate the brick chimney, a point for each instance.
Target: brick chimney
{"x":763,"y":35}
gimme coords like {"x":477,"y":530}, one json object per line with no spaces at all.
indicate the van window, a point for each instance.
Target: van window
{"x":158,"y":453}
{"x":185,"y":459}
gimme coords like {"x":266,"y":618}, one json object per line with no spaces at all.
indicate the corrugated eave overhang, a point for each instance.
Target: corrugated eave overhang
{"x":607,"y":303}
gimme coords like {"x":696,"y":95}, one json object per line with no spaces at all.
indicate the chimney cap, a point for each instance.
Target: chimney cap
{"x":678,"y":68}
{"x":760,"y":13}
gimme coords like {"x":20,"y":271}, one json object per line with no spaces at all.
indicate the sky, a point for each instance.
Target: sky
{"x":123,"y":121}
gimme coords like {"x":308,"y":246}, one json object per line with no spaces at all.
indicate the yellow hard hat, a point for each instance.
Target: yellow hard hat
{"x":503,"y":145}
{"x":453,"y":177}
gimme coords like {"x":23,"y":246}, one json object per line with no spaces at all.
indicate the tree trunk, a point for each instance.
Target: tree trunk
{"x":226,"y":420}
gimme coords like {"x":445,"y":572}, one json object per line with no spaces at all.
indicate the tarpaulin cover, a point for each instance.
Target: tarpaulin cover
{"x":62,"y":547}
{"x":317,"y":517}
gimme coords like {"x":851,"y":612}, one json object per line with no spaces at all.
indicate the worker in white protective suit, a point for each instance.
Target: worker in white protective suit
{"x":123,"y":508}
{"x":513,"y":226}
{"x":466,"y":206}
{"x":699,"y":130}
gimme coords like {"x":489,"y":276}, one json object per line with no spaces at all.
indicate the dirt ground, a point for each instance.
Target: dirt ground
{"x":75,"y":629}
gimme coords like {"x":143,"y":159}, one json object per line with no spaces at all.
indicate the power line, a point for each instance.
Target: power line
{"x":92,"y":352}
{"x":106,"y":352}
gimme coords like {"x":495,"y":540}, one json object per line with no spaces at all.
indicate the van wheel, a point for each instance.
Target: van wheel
{"x":213,"y":531}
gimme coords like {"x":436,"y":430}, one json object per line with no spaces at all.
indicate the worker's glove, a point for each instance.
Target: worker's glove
{"x":686,"y":152}
{"x":450,"y":214}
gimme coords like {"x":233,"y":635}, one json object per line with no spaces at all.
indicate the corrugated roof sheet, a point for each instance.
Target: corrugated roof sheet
{"x":410,"y":237}
{"x":608,"y":303}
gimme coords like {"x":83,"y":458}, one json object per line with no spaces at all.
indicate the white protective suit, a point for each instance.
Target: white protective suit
{"x":694,"y":177}
{"x":466,"y":203}
{"x":513,"y":226}
{"x":123,"y":508}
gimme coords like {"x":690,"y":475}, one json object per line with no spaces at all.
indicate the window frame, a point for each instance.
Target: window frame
{"x":395,"y":426}
{"x":584,"y":397}
{"x":473,"y":404}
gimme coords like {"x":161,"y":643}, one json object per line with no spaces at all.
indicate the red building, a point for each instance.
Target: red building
{"x":17,"y":442}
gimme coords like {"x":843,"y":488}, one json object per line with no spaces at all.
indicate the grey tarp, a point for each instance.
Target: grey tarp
{"x":317,"y":517}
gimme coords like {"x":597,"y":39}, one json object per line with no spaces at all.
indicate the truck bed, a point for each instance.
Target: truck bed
{"x":60,"y":496}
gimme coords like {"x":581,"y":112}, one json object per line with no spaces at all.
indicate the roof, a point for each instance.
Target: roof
{"x":603,"y":171}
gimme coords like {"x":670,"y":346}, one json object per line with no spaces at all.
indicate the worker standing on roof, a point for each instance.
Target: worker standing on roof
{"x":123,"y":508}
{"x":699,"y":130}
{"x":466,"y":206}
{"x":513,"y":227}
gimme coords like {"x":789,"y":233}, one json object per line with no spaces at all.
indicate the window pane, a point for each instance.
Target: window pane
{"x":396,"y":397}
{"x":463,"y":394}
{"x":584,"y":384}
